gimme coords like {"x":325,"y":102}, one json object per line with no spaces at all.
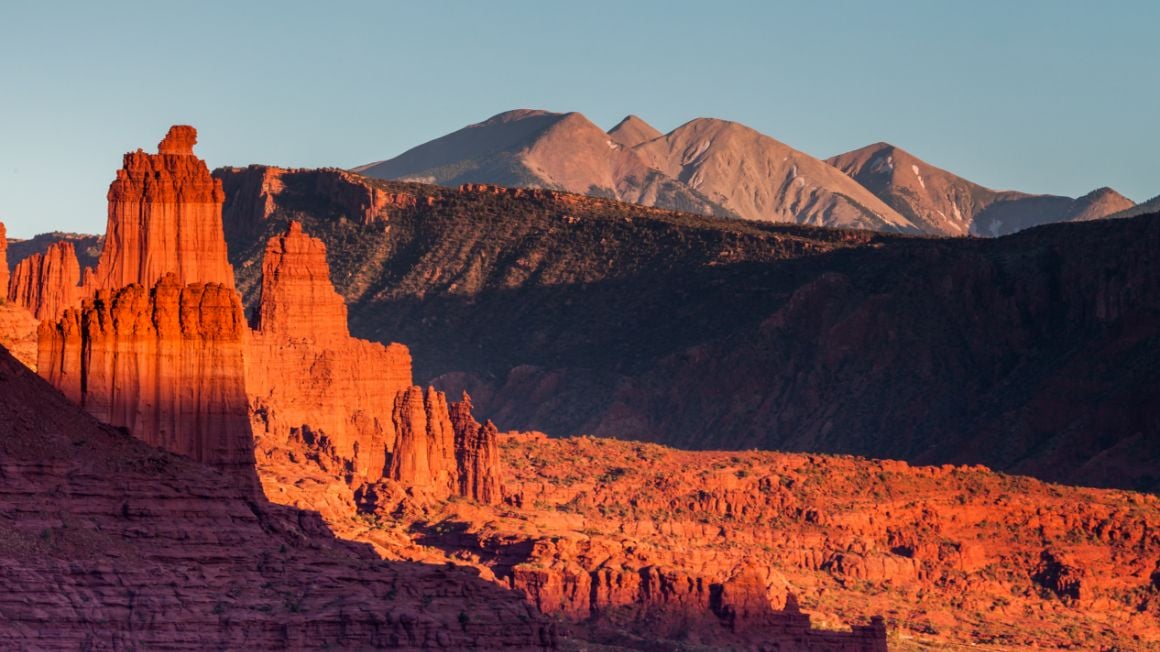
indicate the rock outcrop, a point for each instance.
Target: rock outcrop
{"x":166,"y":363}
{"x":298,"y":299}
{"x":423,"y":455}
{"x":164,"y":218}
{"x":45,"y":284}
{"x":476,"y":454}
{"x":3,"y":259}
{"x":304,"y":370}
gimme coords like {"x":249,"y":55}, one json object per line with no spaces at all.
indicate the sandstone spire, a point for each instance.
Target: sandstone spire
{"x":303,"y":369}
{"x":298,"y":299}
{"x":424,"y":451}
{"x":3,"y":260}
{"x":47,"y":283}
{"x":476,"y":454}
{"x":164,"y":217}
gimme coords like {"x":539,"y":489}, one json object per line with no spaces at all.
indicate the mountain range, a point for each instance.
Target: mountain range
{"x":722,"y":168}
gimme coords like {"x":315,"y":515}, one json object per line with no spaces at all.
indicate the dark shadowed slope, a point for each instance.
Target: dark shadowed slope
{"x":108,"y":543}
{"x":1035,"y":353}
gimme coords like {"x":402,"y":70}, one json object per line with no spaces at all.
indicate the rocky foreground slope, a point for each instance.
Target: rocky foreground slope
{"x":108,"y":543}
{"x":1036,"y":353}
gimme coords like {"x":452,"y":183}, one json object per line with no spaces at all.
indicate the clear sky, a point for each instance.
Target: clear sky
{"x":1041,"y":96}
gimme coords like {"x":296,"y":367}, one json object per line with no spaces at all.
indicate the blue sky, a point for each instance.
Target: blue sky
{"x":1052,"y":96}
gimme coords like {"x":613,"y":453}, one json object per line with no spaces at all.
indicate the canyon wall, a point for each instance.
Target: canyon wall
{"x":3,"y":258}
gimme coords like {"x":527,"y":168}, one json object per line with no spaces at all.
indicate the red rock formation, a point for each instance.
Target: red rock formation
{"x":298,"y":300}
{"x":167,"y":364}
{"x":305,"y":372}
{"x":476,"y":454}
{"x":18,"y":333}
{"x":3,"y":259}
{"x":47,"y":283}
{"x":423,"y":455}
{"x":164,"y":217}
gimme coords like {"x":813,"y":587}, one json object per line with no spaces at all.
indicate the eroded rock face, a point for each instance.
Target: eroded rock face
{"x":476,"y":454}
{"x":298,"y":299}
{"x":3,"y":258}
{"x":164,"y":217}
{"x":424,"y":451}
{"x":304,"y":370}
{"x":166,"y":363}
{"x":47,"y":283}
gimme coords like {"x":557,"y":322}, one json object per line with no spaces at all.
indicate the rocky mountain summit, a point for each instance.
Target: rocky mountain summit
{"x":946,"y":204}
{"x":717,"y":167}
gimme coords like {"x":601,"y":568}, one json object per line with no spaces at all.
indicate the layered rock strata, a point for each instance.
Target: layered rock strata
{"x":166,"y":363}
{"x":164,"y":217}
{"x":3,"y":258}
{"x":307,"y":375}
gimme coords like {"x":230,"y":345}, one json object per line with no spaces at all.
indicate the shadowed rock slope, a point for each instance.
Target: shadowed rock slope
{"x":1034,"y":353}
{"x":108,"y":543}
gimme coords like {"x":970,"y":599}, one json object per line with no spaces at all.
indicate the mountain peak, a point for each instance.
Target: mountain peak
{"x":516,"y":115}
{"x":632,"y":131}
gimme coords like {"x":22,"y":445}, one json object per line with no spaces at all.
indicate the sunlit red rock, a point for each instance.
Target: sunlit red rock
{"x":424,"y":451}
{"x":306,"y":374}
{"x":166,"y":363}
{"x":3,"y":259}
{"x":45,"y":284}
{"x":164,"y":218}
{"x":476,"y":454}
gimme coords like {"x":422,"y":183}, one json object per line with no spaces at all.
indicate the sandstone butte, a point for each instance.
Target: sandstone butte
{"x":629,"y":544}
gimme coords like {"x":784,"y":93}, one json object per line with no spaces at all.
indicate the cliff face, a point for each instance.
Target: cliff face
{"x":166,"y":363}
{"x":47,"y":283}
{"x":164,"y":217}
{"x":17,"y":326}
